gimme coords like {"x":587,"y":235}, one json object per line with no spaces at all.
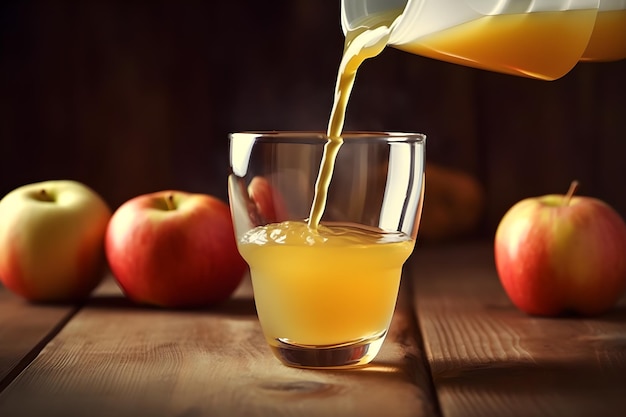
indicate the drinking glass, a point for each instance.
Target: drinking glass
{"x":325,"y":292}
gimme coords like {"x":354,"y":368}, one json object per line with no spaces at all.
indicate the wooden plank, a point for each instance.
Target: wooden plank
{"x":489,"y":359}
{"x":115,"y":358}
{"x":24,"y":329}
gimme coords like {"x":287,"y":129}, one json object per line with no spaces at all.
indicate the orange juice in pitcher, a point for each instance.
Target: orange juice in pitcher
{"x":608,"y":39}
{"x":538,"y":39}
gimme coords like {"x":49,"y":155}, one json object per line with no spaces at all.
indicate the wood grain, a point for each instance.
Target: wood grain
{"x":24,"y":329}
{"x":489,"y":359}
{"x":115,"y":358}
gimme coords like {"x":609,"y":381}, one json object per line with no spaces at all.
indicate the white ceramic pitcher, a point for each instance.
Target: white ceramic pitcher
{"x":535,"y":38}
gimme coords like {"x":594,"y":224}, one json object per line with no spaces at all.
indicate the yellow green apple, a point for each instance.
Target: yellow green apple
{"x":51,"y":240}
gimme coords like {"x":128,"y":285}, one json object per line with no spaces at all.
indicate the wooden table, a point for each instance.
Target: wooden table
{"x":457,"y":347}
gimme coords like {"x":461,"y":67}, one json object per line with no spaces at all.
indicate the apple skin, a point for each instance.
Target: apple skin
{"x":51,"y":240}
{"x":174,"y":249}
{"x":267,"y":200}
{"x":555,"y":258}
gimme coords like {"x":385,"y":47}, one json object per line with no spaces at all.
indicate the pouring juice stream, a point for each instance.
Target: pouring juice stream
{"x":361,"y":43}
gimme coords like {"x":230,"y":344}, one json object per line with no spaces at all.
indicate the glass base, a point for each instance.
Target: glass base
{"x":342,"y":356}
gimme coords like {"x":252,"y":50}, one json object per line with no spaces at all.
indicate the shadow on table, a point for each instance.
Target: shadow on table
{"x":553,"y":385}
{"x":236,"y":307}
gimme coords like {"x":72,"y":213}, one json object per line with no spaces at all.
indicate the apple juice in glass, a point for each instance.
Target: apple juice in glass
{"x":325,"y":222}
{"x":325,"y":293}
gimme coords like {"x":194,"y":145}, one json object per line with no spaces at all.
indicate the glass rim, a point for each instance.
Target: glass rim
{"x":312,"y":136}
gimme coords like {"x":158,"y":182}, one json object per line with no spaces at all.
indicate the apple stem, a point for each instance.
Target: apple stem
{"x":44,"y":196}
{"x":570,"y":193}
{"x":169,"y":201}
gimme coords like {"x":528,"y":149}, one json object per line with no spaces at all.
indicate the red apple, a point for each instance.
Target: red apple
{"x":174,"y":249}
{"x":51,"y":240}
{"x":559,"y":254}
{"x":268,"y":201}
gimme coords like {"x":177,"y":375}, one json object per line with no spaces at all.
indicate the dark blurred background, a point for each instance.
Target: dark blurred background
{"x":132,"y":97}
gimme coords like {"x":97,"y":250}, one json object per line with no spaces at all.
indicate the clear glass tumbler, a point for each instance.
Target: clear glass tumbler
{"x":325,"y":293}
